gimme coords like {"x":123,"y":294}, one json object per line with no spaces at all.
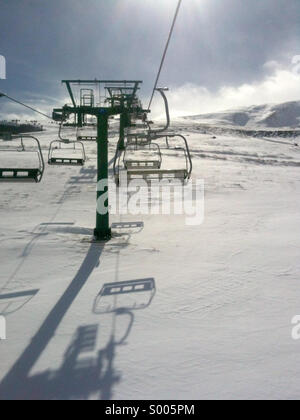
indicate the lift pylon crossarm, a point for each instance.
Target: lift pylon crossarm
{"x":22,"y":174}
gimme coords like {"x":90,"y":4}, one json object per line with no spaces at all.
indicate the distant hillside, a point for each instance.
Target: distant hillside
{"x":286,"y":115}
{"x":19,"y":128}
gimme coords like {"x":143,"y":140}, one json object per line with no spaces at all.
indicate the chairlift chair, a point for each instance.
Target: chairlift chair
{"x":12,"y":173}
{"x":83,"y":136}
{"x":183,"y":173}
{"x":60,"y":155}
{"x":56,"y":155}
{"x":147,"y":134}
{"x":142,"y":139}
{"x":153,"y":163}
{"x":86,"y":138}
{"x":86,"y":134}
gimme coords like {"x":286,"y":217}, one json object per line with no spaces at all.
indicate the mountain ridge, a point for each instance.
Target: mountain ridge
{"x":283,"y":115}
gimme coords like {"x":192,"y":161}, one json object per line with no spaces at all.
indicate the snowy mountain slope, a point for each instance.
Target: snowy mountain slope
{"x":286,"y":115}
{"x":219,"y":324}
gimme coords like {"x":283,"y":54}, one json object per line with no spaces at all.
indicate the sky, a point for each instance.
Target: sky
{"x":224,"y":53}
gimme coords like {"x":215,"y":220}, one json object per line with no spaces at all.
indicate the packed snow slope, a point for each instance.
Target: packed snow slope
{"x":216,"y":322}
{"x":285,"y":115}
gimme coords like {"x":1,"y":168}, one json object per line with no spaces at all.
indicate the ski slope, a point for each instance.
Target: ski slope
{"x":270,"y":116}
{"x":217,"y":325}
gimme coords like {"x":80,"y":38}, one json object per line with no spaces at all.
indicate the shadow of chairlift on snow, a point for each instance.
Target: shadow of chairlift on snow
{"x":58,"y":224}
{"x":126,"y":295}
{"x":120,"y":229}
{"x":127,"y":228}
{"x":83,"y":373}
{"x":13,"y":302}
{"x":128,"y":225}
{"x":80,"y":376}
{"x":87,"y":175}
{"x":17,"y":384}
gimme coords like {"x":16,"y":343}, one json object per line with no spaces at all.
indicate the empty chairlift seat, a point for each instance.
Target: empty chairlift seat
{"x":147,"y":164}
{"x":149,"y":168}
{"x":84,"y":134}
{"x":182,"y":173}
{"x":157,"y":174}
{"x":68,"y":153}
{"x":142,"y":157}
{"x":20,"y":174}
{"x":82,"y":137}
{"x":21,"y":159}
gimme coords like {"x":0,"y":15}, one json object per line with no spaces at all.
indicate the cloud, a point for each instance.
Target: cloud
{"x":279,"y":85}
{"x":11,"y":111}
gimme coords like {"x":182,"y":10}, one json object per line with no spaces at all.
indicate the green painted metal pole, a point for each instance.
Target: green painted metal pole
{"x":80,"y":119}
{"x":70,"y":93}
{"x":125,"y":122}
{"x":122,"y":131}
{"x":102,"y":231}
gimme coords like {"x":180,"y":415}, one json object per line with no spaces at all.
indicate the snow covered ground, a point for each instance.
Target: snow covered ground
{"x":217,"y":325}
{"x":285,"y":115}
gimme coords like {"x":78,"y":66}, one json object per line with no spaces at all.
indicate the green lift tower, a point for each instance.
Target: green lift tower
{"x":120,"y":99}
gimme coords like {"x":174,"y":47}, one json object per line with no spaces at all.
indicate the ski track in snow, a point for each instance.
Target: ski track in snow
{"x":219,"y":323}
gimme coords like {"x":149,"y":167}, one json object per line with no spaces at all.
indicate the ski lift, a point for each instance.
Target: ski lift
{"x":183,"y":173}
{"x":86,"y":138}
{"x":153,"y":163}
{"x":59,"y":154}
{"x":15,"y":173}
{"x":87,"y":97}
{"x":86,"y":134}
{"x":147,"y":134}
{"x":153,"y":171}
{"x":125,"y":296}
